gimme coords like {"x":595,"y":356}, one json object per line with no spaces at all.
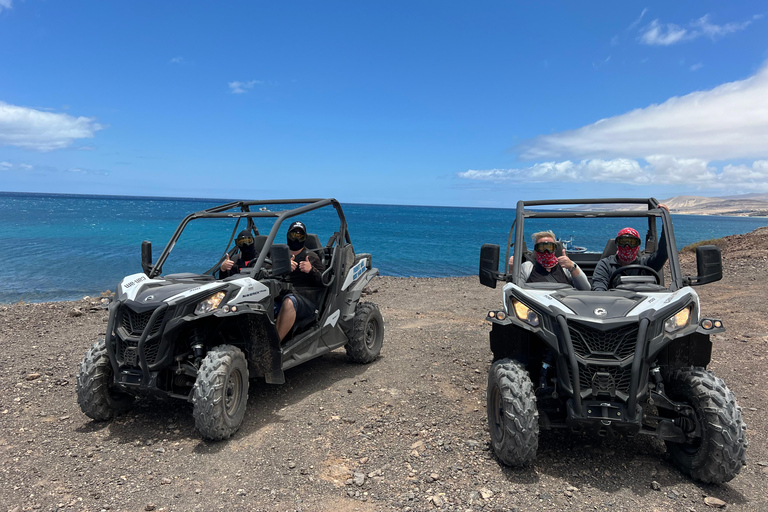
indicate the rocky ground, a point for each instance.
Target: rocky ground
{"x":407,"y":432}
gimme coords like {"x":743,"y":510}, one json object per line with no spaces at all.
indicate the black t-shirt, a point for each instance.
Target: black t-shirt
{"x":308,"y":284}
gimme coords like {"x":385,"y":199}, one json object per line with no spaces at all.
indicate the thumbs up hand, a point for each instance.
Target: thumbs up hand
{"x":305,"y":266}
{"x":227,"y":264}
{"x":565,"y":261}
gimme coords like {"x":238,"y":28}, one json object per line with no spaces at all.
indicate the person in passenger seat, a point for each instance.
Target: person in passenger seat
{"x":248,"y":255}
{"x":306,"y":274}
{"x":550,"y":267}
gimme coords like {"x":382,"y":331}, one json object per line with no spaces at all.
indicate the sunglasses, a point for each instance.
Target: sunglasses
{"x":297,"y":235}
{"x":627,"y":241}
{"x":246,"y":240}
{"x":545,"y":247}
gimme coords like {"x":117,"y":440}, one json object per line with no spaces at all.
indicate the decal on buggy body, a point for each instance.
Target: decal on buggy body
{"x":355,"y":273}
{"x":192,"y":291}
{"x":133,"y":284}
{"x":250,"y":291}
{"x":333,"y":318}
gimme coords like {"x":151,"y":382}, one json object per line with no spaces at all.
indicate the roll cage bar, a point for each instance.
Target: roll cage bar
{"x":653,"y":211}
{"x":244,"y":207}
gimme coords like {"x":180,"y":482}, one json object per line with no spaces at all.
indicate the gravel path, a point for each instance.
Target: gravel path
{"x":407,"y":432}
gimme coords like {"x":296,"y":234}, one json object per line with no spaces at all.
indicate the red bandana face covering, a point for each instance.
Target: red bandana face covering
{"x":627,"y":255}
{"x":546,"y":259}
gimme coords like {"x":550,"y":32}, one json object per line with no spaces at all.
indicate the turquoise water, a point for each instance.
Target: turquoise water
{"x":59,"y":247}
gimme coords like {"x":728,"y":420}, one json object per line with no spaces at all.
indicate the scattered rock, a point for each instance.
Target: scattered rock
{"x":714,"y":502}
{"x":33,"y":376}
{"x":656,"y":486}
{"x":150,"y":506}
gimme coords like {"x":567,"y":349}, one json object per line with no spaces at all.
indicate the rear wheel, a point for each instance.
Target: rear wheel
{"x":220,"y":393}
{"x":95,"y":393}
{"x":367,"y":333}
{"x":513,"y":419}
{"x":719,"y":453}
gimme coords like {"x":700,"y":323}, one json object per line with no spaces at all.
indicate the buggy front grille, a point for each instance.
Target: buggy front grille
{"x":134,"y":323}
{"x":612,"y":345}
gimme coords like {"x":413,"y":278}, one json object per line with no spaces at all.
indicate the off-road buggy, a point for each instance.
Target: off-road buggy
{"x":198,"y":338}
{"x":629,"y":360}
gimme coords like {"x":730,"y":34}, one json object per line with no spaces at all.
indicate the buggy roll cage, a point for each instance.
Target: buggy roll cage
{"x":653,"y":211}
{"x":223,"y":211}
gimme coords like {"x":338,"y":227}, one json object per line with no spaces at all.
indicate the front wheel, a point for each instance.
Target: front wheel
{"x":367,"y":333}
{"x":513,"y":419}
{"x":95,"y":393}
{"x":220,"y":393}
{"x":719,"y":453}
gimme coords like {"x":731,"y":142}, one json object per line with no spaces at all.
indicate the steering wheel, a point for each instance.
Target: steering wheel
{"x":621,"y":270}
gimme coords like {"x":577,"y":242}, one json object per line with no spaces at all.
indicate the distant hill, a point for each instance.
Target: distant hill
{"x":746,"y":205}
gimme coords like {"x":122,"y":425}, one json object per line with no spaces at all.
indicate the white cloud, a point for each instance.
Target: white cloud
{"x":9,"y":166}
{"x":28,"y":128}
{"x":727,"y":122}
{"x":638,"y":20}
{"x":93,"y":172}
{"x":658,"y":34}
{"x":5,"y":4}
{"x":242,"y":87}
{"x":696,"y":66}
{"x":658,"y":170}
{"x":177,"y":60}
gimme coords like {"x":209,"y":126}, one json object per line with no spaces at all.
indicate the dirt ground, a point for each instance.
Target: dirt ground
{"x":407,"y":432}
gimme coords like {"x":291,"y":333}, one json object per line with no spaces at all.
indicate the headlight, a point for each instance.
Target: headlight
{"x":678,"y":321}
{"x":210,"y":303}
{"x":525,"y":313}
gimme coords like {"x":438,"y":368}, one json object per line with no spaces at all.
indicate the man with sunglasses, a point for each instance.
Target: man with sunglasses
{"x":247,"y":255}
{"x":627,"y":248}
{"x":549,"y":266}
{"x":307,"y":279}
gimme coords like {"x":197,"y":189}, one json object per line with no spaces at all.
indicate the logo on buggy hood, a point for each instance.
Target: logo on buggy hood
{"x":600,"y":312}
{"x":149,"y":298}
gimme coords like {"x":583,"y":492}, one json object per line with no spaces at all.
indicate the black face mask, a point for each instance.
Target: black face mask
{"x":248,"y":251}
{"x":295,"y":245}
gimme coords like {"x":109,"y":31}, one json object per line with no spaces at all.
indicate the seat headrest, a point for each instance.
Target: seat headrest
{"x":313,"y":242}
{"x":610,"y":248}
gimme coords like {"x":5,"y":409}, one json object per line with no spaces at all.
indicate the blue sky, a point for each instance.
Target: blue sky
{"x":432,"y":103}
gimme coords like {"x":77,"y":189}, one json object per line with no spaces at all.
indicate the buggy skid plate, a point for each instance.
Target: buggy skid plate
{"x":603,"y":418}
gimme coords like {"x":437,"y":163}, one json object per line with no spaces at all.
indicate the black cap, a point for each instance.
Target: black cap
{"x":298,"y":226}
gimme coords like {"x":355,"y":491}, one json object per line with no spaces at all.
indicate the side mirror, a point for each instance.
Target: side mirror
{"x":281,"y":260}
{"x":489,"y":265}
{"x":146,"y":257}
{"x":709,"y":265}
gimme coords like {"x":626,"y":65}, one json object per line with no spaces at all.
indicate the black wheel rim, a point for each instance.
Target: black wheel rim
{"x":232,"y":393}
{"x":371,"y":332}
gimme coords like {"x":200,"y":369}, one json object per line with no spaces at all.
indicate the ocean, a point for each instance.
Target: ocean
{"x":63,"y":247}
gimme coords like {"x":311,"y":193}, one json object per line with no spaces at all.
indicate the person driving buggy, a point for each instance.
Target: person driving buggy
{"x":307,"y":278}
{"x":549,"y":266}
{"x":245,"y":243}
{"x":627,"y":248}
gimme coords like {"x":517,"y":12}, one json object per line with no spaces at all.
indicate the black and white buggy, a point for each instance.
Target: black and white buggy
{"x":194,"y":337}
{"x":628,"y":360}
